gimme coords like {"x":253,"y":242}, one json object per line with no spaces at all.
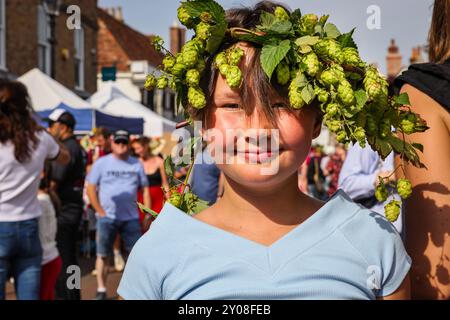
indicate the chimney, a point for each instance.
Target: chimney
{"x":416,"y":55}
{"x":393,"y":61}
{"x":119,"y":14}
{"x":177,"y":38}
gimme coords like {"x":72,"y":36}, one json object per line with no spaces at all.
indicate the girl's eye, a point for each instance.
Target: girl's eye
{"x":280,"y":105}
{"x":231,"y":106}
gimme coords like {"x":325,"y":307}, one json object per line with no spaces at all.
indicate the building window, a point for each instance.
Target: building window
{"x":44,"y":45}
{"x":79,"y":58}
{"x":2,"y":35}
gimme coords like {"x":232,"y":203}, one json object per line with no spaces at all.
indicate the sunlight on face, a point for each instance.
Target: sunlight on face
{"x":296,"y":131}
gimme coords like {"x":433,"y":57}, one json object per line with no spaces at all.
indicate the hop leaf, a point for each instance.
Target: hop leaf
{"x":404,"y":188}
{"x":392,"y":210}
{"x":283,"y":73}
{"x":193,"y":77}
{"x":150,"y":82}
{"x":234,"y":76}
{"x":196,"y":97}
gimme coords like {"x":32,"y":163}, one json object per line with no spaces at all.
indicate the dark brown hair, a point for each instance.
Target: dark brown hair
{"x":145,"y":143}
{"x":16,"y":121}
{"x":102,"y":131}
{"x":254,"y":77}
{"x":439,"y":36}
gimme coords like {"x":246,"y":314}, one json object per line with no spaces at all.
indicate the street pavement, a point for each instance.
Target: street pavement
{"x":88,"y":282}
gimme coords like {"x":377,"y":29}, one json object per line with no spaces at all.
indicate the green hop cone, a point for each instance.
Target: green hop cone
{"x":173,"y":84}
{"x":381,"y":192}
{"x":312,"y":63}
{"x":150,"y":82}
{"x":308,"y":23}
{"x":329,"y":49}
{"x":189,"y":58}
{"x":333,"y":125}
{"x":157,"y":43}
{"x":193,"y":77}
{"x":321,"y":94}
{"x":194,"y":44}
{"x":162,"y":83}
{"x":224,"y":69}
{"x":392,"y":210}
{"x":404,"y":188}
{"x":351,"y":57}
{"x":295,"y":97}
{"x":185,"y":18}
{"x":235,"y":56}
{"x":360,"y":136}
{"x":408,"y":123}
{"x":345,"y":93}
{"x":201,"y":66}
{"x":178,"y":69}
{"x":220,"y":59}
{"x":329,"y":77}
{"x":196,"y":97}
{"x":168,"y":63}
{"x":332,"y":109}
{"x":281,"y":14}
{"x":203,"y":31}
{"x":234,"y":76}
{"x":283,"y":73}
{"x":342,"y":137}
{"x":176,"y":199}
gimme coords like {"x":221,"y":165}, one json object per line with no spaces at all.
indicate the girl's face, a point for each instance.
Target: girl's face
{"x":251,"y":162}
{"x":138,"y":149}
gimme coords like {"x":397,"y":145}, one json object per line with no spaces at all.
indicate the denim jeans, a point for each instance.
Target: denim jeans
{"x":20,"y":257}
{"x":107,"y":229}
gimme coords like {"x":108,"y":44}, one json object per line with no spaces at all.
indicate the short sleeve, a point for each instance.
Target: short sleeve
{"x":95,"y":173}
{"x":381,"y":247}
{"x":143,"y":181}
{"x":396,"y":266}
{"x":52,"y":147}
{"x":136,"y":282}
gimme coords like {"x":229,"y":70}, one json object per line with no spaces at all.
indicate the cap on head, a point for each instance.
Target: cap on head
{"x":121,"y":136}
{"x":62,"y":116}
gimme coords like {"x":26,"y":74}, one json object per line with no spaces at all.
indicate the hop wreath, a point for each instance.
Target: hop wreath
{"x":316,"y":62}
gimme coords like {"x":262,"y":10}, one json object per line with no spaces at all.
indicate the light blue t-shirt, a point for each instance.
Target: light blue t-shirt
{"x":118,"y":182}
{"x":343,"y":251}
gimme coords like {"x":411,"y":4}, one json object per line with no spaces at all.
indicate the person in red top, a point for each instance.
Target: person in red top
{"x":333,"y":168}
{"x":156,"y":175}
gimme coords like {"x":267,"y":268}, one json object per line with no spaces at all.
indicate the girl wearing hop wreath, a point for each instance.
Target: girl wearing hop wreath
{"x":265,"y":68}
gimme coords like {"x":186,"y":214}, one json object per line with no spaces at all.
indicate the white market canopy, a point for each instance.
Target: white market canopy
{"x":46,"y":93}
{"x":112,"y":100}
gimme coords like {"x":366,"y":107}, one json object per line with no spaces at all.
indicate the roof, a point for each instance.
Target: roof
{"x":134,"y":44}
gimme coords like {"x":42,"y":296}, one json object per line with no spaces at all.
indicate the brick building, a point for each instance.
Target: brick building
{"x":26,"y":42}
{"x":133,"y":57}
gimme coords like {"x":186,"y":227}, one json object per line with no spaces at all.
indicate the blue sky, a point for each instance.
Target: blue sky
{"x":407,"y":21}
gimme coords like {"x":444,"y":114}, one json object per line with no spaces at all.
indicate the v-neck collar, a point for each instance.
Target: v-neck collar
{"x":269,"y":258}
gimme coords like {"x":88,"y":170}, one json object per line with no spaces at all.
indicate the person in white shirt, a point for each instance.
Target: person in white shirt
{"x":24,"y":146}
{"x":51,"y":260}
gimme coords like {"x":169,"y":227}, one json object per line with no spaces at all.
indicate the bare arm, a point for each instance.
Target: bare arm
{"x":63,"y":157}
{"x":165,"y":183}
{"x":428,"y":209}
{"x":93,"y":198}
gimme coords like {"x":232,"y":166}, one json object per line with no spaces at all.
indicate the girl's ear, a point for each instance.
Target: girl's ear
{"x":317,"y":126}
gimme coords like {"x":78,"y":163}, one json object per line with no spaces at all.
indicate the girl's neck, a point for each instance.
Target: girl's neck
{"x":281,"y":205}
